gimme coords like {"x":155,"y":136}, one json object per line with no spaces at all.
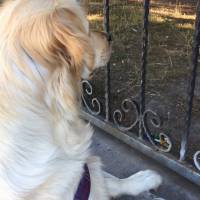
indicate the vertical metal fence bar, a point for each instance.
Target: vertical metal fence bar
{"x":106,"y":24}
{"x":144,"y":63}
{"x":195,"y":55}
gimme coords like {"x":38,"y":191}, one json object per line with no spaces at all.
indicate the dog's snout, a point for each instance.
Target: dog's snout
{"x":107,"y":36}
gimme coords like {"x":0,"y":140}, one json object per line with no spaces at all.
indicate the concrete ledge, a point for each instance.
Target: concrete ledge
{"x":164,"y":159}
{"x":120,"y":160}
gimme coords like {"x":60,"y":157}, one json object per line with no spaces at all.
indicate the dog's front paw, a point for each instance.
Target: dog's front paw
{"x":151,"y":179}
{"x":144,"y":181}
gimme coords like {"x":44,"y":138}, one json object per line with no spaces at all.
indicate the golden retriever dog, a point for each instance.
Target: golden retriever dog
{"x":45,"y":49}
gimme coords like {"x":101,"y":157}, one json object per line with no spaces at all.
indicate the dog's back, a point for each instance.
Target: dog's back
{"x":41,"y":154}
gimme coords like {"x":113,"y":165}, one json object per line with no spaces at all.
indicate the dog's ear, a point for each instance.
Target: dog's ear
{"x":56,"y":39}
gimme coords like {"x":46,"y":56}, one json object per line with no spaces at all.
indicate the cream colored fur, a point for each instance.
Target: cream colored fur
{"x":45,"y":48}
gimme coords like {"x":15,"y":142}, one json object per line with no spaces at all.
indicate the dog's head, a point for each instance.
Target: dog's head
{"x":55,"y":33}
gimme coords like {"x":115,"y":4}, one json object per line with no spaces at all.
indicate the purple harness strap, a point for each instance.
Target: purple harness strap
{"x":83,"y":191}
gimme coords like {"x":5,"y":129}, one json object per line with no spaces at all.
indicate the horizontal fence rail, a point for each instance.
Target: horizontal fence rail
{"x":157,"y":146}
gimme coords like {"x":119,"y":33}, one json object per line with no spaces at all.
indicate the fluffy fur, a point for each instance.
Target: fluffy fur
{"x":45,"y":49}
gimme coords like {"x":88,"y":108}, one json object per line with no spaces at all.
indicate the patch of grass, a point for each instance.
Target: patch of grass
{"x":169,"y":59}
{"x":170,"y":39}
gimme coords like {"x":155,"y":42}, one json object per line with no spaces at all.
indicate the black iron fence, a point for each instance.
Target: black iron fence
{"x":157,"y":146}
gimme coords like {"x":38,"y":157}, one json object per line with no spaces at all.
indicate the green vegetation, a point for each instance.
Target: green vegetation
{"x":169,"y":59}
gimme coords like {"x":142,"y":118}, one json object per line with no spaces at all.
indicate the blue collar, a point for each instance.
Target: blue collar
{"x":83,"y":191}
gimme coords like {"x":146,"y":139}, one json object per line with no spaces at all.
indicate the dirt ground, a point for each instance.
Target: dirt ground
{"x":169,"y":63}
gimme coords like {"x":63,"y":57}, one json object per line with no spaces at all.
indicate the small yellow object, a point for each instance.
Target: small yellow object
{"x":162,"y":141}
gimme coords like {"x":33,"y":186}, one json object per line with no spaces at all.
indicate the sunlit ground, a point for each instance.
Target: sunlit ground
{"x":160,"y":14}
{"x":181,"y":19}
{"x":95,"y":17}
